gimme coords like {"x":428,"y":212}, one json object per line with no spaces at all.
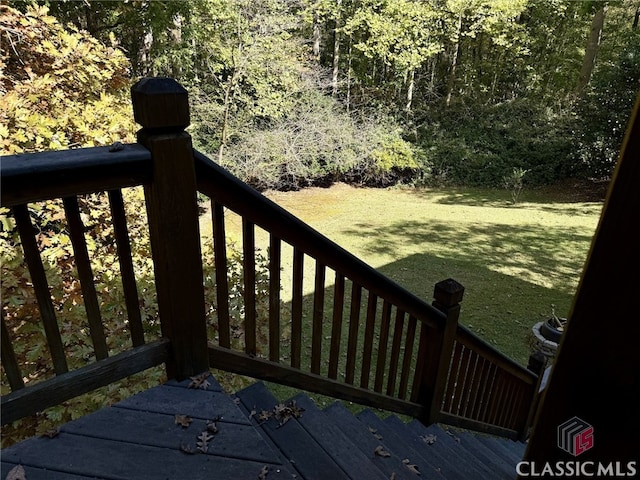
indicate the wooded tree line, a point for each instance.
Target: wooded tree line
{"x":298,"y":92}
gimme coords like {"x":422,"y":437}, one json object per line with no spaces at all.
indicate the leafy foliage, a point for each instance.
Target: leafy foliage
{"x":60,"y":88}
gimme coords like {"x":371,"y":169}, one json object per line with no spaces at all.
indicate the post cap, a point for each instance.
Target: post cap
{"x":160,"y":104}
{"x":448,"y":292}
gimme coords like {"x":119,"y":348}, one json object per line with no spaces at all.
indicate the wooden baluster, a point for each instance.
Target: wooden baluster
{"x":396,"y":344}
{"x":354,"y":324}
{"x":369,"y":331}
{"x":448,"y":295}
{"x":125,"y":260}
{"x":318,"y":314}
{"x":449,"y":396}
{"x":41,"y":288}
{"x":496,"y":397}
{"x":407,"y":357}
{"x":488,"y":393}
{"x":483,"y":382}
{"x":336,"y":325}
{"x":385,"y":322}
{"x":473,"y":388}
{"x":161,"y":106}
{"x":249,"y":267}
{"x":85,"y":274}
{"x":222,"y":285}
{"x":9,"y":362}
{"x":461,"y":379}
{"x":296,"y":307}
{"x":275,"y":256}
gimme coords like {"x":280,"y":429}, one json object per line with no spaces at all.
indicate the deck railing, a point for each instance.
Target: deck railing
{"x":360,"y":337}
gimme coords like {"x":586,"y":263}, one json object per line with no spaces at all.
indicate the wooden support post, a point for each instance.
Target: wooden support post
{"x":537,"y":363}
{"x":161,"y":106}
{"x":436,"y":348}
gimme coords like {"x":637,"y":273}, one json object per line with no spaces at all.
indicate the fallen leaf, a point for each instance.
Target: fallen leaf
{"x":372,"y":430}
{"x":429,"y":439}
{"x":183,"y":420}
{"x":378,"y":436}
{"x":203,"y":442}
{"x":411,"y":466}
{"x":264,"y":416}
{"x":284,"y":413}
{"x":212,"y":427}
{"x":200,"y":381}
{"x":393,"y":476}
{"x":54,"y":432}
{"x":381,"y":452}
{"x":188,"y":449}
{"x":263,"y":473}
{"x":17,"y":473}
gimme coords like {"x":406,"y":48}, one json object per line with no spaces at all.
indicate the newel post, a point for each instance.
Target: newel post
{"x":436,"y":349}
{"x":161,"y":106}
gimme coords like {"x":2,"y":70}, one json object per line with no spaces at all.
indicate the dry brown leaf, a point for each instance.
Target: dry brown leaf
{"x":264,"y":416}
{"x":17,"y":473}
{"x":54,"y":432}
{"x":203,"y":442}
{"x":381,"y":452}
{"x":188,"y":449}
{"x":200,"y":381}
{"x":183,"y":420}
{"x":264,"y":471}
{"x":212,"y":427}
{"x":411,"y":466}
{"x":284,"y":413}
{"x":429,"y":439}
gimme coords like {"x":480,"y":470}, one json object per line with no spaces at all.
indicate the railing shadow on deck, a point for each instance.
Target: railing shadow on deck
{"x":401,"y":354}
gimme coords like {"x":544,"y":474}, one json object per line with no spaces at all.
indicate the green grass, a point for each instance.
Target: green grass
{"x":515,"y":261}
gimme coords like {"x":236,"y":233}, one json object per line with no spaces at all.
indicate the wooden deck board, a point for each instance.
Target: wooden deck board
{"x":139,"y":438}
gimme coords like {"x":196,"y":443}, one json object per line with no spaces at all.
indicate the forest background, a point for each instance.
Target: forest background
{"x":288,"y":94}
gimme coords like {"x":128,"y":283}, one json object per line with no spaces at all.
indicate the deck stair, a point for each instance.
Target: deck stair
{"x":258,"y":437}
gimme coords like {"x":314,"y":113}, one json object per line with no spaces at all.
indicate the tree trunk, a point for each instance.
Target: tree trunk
{"x":316,"y":37}
{"x":349,"y":76}
{"x":336,"y":50}
{"x":454,"y":63}
{"x":589,"y":61}
{"x":412,"y":78}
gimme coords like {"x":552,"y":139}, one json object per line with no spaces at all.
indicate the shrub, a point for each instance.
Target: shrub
{"x":59,"y":87}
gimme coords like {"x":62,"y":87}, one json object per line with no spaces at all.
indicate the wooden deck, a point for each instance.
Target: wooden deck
{"x":157,"y":435}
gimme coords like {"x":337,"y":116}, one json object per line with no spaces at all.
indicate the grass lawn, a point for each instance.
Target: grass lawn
{"x":515,"y":261}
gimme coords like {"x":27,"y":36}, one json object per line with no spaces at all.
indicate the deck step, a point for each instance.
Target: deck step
{"x":140,"y":438}
{"x":367,"y":442}
{"x":335,"y":442}
{"x":301,"y":449}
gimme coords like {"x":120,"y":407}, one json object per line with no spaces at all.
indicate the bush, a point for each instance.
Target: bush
{"x":319,"y":143}
{"x":60,"y":88}
{"x":481,"y":144}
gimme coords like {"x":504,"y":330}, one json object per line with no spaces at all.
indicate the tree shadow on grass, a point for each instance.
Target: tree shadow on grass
{"x":552,"y":257}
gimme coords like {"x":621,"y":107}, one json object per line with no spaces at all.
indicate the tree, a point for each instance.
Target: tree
{"x":60,"y":88}
{"x":593,"y":44}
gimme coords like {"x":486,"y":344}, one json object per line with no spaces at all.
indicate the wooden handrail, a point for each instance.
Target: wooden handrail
{"x":33,"y":177}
